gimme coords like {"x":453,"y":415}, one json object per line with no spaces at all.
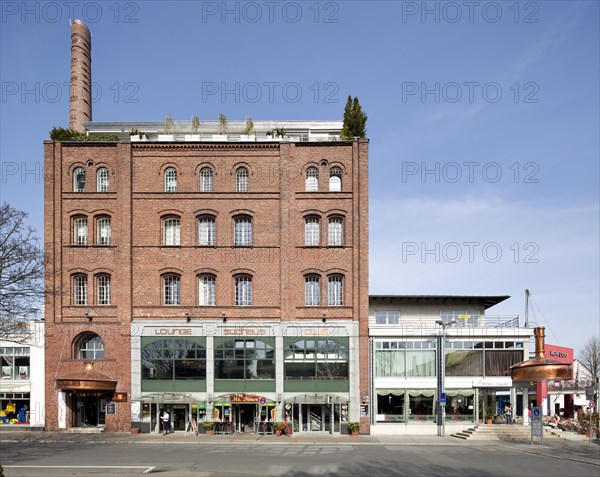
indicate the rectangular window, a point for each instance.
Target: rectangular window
{"x":80,"y":290}
{"x":206,"y":231}
{"x":172,"y":290}
{"x":80,"y":231}
{"x":103,"y":230}
{"x":103,"y":282}
{"x":336,"y":236}
{"x":312,"y":291}
{"x":387,"y":317}
{"x":311,"y":232}
{"x":243,"y":231}
{"x":207,"y":292}
{"x":335,"y":294}
{"x":171,"y":227}
{"x":243,"y":291}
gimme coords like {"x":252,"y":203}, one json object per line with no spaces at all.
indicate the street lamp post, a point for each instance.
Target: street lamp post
{"x":441,"y":376}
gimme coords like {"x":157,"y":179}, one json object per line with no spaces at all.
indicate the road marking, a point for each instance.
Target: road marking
{"x":148,"y":468}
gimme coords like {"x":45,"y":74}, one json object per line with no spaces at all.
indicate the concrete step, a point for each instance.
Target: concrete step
{"x":515,"y":432}
{"x":85,"y":430}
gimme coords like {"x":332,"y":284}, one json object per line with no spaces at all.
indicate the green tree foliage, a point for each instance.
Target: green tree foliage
{"x":62,"y":134}
{"x":355,"y":120}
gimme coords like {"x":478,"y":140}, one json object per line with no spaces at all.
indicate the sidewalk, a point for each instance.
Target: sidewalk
{"x":248,"y":438}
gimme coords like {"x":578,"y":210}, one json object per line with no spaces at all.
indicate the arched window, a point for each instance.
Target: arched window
{"x":80,"y":231}
{"x":80,"y":291}
{"x":172,"y":290}
{"x":243,"y":290}
{"x":243,"y":231}
{"x":244,"y":358}
{"x":241,"y":180}
{"x":312,"y":290}
{"x":103,"y":230}
{"x":102,"y":180}
{"x":206,"y":179}
{"x":311,"y":232}
{"x":335,"y":179}
{"x":312,"y":179}
{"x":171,"y":180}
{"x":335,"y":292}
{"x":89,"y":346}
{"x":79,"y":180}
{"x":103,"y":289}
{"x":206,"y":231}
{"x":171,"y":228}
{"x":336,"y":231}
{"x":207,"y":290}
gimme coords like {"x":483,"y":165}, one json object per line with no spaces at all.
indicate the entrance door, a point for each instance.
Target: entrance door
{"x":89,"y":410}
{"x":243,"y":417}
{"x":317,"y":418}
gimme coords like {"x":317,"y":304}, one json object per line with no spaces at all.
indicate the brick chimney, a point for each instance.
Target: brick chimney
{"x":80,"y":105}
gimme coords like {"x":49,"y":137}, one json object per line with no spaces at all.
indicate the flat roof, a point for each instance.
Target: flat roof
{"x":260,"y":126}
{"x":487,"y":301}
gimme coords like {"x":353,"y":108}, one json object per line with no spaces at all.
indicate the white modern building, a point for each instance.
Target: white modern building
{"x":22,"y":383}
{"x":404,"y":336}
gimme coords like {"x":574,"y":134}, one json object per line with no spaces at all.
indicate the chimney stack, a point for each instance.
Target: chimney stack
{"x":80,"y":105}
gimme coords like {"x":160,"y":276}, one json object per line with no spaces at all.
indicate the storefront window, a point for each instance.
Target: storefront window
{"x":244,"y":359}
{"x":390,"y":405}
{"x":173,"y":359}
{"x":316,"y":359}
{"x":421,"y":405}
{"x":460,"y":404}
{"x":15,"y":362}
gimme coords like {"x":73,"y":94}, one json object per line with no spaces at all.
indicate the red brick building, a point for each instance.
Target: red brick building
{"x":214,"y":276}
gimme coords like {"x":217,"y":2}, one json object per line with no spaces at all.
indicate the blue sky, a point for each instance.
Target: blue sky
{"x":483,"y":121}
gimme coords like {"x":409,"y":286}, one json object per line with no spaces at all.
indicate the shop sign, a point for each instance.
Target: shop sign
{"x":120,"y":397}
{"x":245,"y":398}
{"x":498,"y":382}
{"x":111,"y":408}
{"x":239,"y":331}
{"x":173,"y":331}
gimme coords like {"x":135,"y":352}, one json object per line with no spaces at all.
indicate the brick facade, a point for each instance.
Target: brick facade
{"x":136,"y":260}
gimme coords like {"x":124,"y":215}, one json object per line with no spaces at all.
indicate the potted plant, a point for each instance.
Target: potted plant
{"x":168,"y":132}
{"x":209,"y":427}
{"x":489,"y":414}
{"x":279,"y":426}
{"x":353,"y":428}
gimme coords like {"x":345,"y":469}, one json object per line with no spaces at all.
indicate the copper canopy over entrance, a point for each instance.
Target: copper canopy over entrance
{"x":89,"y":379}
{"x":540,"y":368}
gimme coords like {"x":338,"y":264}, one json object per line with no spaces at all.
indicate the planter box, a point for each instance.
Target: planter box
{"x":192,"y":137}
{"x":219,"y":137}
{"x":166,"y":137}
{"x":248,"y":137}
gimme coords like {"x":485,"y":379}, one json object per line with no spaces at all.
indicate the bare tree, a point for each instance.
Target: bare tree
{"x":21,"y":274}
{"x":590,"y":358}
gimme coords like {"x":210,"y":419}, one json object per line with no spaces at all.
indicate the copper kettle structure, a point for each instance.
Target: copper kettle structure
{"x":540,"y":368}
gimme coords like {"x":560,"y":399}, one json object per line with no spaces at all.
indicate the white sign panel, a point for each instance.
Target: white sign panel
{"x":498,"y":382}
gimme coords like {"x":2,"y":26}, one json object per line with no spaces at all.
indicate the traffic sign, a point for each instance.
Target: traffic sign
{"x":589,"y":392}
{"x":592,"y":404}
{"x":442,"y":399}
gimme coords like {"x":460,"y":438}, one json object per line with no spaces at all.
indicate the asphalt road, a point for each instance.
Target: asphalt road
{"x":52,"y":459}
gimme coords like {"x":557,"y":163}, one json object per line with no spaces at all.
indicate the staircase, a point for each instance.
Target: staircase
{"x":499,"y":432}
